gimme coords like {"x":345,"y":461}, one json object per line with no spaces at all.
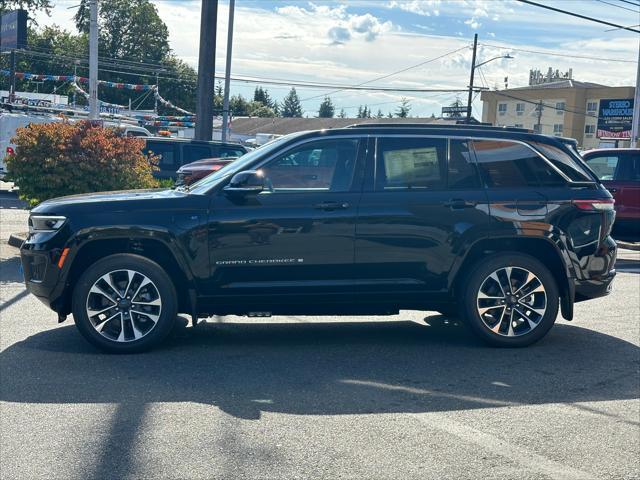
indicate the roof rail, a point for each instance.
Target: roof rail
{"x":439,"y":126}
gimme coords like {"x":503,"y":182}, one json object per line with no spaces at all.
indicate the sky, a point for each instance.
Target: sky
{"x":356,"y":41}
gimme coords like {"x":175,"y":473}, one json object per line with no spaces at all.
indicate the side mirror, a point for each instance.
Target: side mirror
{"x":247,"y":182}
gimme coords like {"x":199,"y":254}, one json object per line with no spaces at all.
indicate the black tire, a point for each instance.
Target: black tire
{"x":474,"y":281}
{"x":164,"y":289}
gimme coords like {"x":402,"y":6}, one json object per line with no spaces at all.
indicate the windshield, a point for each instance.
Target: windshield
{"x":243,"y":163}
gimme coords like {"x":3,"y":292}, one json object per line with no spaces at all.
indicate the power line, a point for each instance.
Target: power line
{"x":584,"y":17}
{"x":558,"y":54}
{"x":392,"y":73}
{"x":631,"y":3}
{"x":619,"y":6}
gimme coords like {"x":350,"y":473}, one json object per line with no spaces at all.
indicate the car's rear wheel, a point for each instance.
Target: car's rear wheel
{"x":510,"y":300}
{"x":124,"y":304}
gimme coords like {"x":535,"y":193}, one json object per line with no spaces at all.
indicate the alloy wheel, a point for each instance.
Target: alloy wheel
{"x":511,"y":301}
{"x":123,"y":305}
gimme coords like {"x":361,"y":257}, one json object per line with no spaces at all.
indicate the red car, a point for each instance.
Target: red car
{"x":194,"y":171}
{"x":619,"y":171}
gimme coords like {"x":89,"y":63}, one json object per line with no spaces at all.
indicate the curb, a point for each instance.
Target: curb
{"x":628,"y":245}
{"x":17,"y":239}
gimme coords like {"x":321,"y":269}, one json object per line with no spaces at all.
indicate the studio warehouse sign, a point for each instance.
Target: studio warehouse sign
{"x":615,"y":118}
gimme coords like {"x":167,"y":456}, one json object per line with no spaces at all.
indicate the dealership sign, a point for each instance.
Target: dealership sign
{"x":13,"y":29}
{"x":615,"y":118}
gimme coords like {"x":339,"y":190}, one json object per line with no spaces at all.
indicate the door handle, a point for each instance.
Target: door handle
{"x":459,"y":204}
{"x":329,"y":206}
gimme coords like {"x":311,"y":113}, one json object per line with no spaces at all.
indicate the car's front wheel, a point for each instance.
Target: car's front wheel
{"x":510,"y":300}
{"x":124,"y":303}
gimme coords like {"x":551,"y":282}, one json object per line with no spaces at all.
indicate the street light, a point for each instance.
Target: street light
{"x":473,"y":69}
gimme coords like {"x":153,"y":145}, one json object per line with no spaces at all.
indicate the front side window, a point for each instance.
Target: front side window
{"x":410,"y":163}
{"x":226,"y":152}
{"x":604,"y":166}
{"x":326,"y":165}
{"x":513,"y":165}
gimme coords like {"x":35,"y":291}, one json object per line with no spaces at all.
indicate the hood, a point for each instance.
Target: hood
{"x":122,"y":199}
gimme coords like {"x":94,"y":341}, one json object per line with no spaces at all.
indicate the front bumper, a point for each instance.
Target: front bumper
{"x":42,"y":277}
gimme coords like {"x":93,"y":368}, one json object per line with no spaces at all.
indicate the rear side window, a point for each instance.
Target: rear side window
{"x":166,"y":152}
{"x":461,"y":172}
{"x":630,"y":167}
{"x":564,"y":162}
{"x":411,"y":163}
{"x":512,"y":165}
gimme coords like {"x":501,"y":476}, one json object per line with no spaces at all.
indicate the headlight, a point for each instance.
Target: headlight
{"x":45,"y":223}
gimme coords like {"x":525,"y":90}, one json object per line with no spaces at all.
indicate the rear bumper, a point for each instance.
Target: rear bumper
{"x":594,"y":288}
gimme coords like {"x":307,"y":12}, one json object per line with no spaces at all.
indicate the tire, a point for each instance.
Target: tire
{"x":147,"y":317}
{"x":532,"y":308}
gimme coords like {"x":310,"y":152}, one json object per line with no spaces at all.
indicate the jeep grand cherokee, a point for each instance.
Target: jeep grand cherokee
{"x":500,"y":227}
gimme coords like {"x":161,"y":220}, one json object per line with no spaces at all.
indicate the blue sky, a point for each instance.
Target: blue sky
{"x":350,"y":42}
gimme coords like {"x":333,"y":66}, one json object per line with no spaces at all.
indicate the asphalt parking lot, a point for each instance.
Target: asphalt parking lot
{"x":409,"y":396}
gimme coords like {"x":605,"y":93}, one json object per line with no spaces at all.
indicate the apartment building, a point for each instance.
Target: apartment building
{"x":595,"y":115}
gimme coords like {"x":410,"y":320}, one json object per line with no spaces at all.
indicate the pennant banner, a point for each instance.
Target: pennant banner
{"x":73,"y":78}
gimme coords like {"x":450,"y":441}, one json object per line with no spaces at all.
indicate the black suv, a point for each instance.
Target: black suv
{"x":500,"y":227}
{"x":176,"y":152}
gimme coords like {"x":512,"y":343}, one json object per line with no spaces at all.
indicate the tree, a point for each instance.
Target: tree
{"x":259,"y":109}
{"x":342,"y":113}
{"x":219,"y":90}
{"x":457,"y":103}
{"x":262,"y":95}
{"x":326,"y":110}
{"x":30,"y":6}
{"x":128,"y":30}
{"x":404,"y":108}
{"x":239,"y":106}
{"x":291,"y":105}
{"x":379,"y":114}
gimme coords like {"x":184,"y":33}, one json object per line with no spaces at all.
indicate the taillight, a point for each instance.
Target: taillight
{"x":595,"y":205}
{"x":10,"y":151}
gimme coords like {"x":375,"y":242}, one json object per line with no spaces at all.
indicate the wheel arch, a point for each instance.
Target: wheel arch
{"x":154,"y":249}
{"x":542,"y":248}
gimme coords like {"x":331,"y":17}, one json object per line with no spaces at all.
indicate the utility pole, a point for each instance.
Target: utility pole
{"x":93,"y":61}
{"x":206,"y":69}
{"x":473,"y":70}
{"x":635,"y":126}
{"x":538,"y":124}
{"x":75,"y":79}
{"x":12,"y":77}
{"x":155,"y":105}
{"x":227,"y":74}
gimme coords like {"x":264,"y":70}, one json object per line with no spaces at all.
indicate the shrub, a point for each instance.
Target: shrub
{"x":56,"y":159}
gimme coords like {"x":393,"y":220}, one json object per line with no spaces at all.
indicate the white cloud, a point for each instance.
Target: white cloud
{"x":420,"y":7}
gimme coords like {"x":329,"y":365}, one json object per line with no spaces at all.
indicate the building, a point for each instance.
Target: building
{"x":595,"y":115}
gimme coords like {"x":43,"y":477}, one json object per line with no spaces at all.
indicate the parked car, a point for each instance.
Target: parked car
{"x":176,"y":152}
{"x":192,"y":172}
{"x":619,"y":170}
{"x":500,"y":227}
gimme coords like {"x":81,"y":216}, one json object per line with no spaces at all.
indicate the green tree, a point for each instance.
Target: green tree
{"x":404,"y":108}
{"x":30,"y":6}
{"x":128,"y":30}
{"x":239,"y":106}
{"x":291,"y":105}
{"x":262,"y":95}
{"x":326,"y":110}
{"x":379,"y":114}
{"x":342,"y":113}
{"x":259,"y":109}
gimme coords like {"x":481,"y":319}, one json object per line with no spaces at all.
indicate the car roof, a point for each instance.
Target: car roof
{"x":192,"y":141}
{"x":610,"y":150}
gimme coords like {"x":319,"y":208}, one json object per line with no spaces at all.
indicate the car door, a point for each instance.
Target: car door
{"x":627,"y":178}
{"x":423,"y":204}
{"x":297,"y":237}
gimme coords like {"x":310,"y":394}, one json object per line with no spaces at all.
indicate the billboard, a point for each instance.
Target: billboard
{"x":615,"y":117}
{"x":13,"y":29}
